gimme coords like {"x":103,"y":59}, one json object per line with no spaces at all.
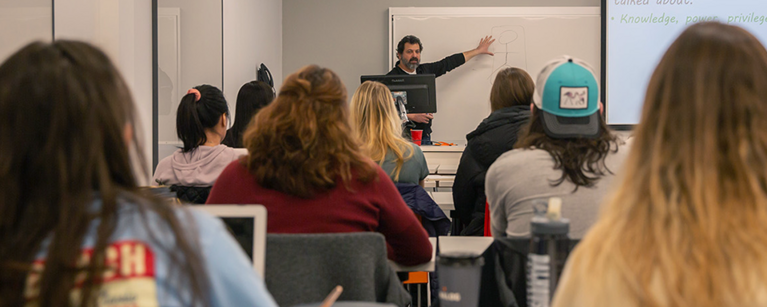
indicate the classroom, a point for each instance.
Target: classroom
{"x":581,"y":153}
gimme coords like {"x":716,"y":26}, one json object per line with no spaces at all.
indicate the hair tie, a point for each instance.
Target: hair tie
{"x":196,"y":93}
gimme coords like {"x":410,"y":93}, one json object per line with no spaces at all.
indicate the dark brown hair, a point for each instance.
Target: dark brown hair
{"x":582,"y":160}
{"x":302,"y":142}
{"x":512,"y":86}
{"x":251,"y":98}
{"x":194,"y":116}
{"x":62,"y":147}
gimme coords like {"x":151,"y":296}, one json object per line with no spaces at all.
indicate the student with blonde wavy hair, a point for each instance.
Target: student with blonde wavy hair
{"x":686,"y":225}
{"x":378,"y":126}
{"x":304,"y":164}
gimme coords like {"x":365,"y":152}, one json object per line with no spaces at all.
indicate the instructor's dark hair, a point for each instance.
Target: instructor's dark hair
{"x":65,"y":145}
{"x":252,"y":96}
{"x":193,"y":116}
{"x":410,"y":39}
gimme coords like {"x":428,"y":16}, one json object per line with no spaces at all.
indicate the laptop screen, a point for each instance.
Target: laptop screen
{"x":241,"y":228}
{"x":247,"y":224}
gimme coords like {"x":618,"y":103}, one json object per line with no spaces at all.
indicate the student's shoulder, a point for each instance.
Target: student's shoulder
{"x":236,"y":166}
{"x":143,"y":217}
{"x":522,"y":155}
{"x":521,"y":159}
{"x":417,"y":151}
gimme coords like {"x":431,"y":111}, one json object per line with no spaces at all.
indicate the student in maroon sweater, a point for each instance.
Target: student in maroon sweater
{"x":305,"y":165}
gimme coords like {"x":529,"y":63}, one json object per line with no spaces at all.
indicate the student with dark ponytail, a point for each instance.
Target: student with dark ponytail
{"x":201,"y":123}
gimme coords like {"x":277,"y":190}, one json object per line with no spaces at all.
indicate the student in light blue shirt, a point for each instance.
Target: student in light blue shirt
{"x":73,"y":224}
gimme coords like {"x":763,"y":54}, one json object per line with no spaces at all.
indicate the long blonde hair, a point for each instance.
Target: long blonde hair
{"x":378,"y":126}
{"x":687,"y":225}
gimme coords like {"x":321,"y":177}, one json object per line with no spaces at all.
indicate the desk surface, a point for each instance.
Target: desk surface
{"x":448,"y":244}
{"x":472,"y":245}
{"x":428,"y":267}
{"x":431,"y":148}
{"x":443,"y":199}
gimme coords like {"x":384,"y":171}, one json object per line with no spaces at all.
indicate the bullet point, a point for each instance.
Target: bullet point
{"x":612,"y":18}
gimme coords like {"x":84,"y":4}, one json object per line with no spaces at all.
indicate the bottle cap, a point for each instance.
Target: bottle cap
{"x":544,"y":226}
{"x":552,"y":222}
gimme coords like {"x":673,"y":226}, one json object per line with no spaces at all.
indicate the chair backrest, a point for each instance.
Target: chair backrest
{"x":504,"y":275}
{"x":193,"y":195}
{"x":304,"y":268}
{"x":248,"y":224}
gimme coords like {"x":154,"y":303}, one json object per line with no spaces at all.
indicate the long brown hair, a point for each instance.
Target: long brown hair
{"x":512,"y":87}
{"x":582,"y":160}
{"x":62,"y":146}
{"x":686,"y":227}
{"x":302,"y":142}
{"x":378,"y":126}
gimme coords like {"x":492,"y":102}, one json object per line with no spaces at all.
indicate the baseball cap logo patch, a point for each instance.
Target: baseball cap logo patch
{"x":574,"y":98}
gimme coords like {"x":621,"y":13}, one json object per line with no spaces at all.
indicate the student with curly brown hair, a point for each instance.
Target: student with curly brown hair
{"x":305,"y":165}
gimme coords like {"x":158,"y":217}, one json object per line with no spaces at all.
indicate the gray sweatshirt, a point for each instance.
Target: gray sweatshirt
{"x":198,"y":168}
{"x":521,"y":176}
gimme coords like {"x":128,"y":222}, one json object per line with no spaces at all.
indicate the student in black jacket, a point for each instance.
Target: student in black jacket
{"x":409,"y":54}
{"x":510,"y":100}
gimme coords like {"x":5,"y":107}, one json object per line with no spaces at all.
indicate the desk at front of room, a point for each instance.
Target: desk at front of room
{"x":443,"y":164}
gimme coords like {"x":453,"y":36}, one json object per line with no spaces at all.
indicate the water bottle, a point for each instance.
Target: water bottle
{"x":549,"y":247}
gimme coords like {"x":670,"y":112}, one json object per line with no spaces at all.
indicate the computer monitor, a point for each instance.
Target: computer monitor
{"x":416,"y":92}
{"x":247,"y":224}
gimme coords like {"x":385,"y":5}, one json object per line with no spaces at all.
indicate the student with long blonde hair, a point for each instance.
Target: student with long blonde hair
{"x":686,"y":227}
{"x":378,"y":126}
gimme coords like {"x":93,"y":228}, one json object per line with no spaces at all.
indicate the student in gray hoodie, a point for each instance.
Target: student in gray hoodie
{"x":201,"y":123}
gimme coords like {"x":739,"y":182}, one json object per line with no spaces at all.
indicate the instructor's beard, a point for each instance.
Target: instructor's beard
{"x":413,"y":63}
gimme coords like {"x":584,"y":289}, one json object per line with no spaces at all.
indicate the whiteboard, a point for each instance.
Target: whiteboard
{"x":526,"y":37}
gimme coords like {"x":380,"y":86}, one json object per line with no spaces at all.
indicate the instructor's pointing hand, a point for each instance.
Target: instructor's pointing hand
{"x":484,"y":44}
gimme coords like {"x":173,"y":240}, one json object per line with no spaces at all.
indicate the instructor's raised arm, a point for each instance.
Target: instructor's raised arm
{"x":484,"y":44}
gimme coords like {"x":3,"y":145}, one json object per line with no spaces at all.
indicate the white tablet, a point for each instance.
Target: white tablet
{"x":239,"y":219}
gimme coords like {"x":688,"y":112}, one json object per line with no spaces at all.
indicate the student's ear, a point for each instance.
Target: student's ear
{"x":601,"y":108}
{"x":532,"y":106}
{"x":398,"y":58}
{"x":128,"y":134}
{"x":222,"y":120}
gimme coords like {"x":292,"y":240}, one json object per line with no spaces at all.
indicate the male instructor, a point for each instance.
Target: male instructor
{"x":409,"y":54}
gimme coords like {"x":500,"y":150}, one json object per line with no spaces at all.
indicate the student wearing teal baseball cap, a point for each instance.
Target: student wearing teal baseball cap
{"x":565,"y":151}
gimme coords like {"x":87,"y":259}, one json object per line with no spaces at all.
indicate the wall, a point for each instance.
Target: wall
{"x":252,"y":35}
{"x":123,"y":29}
{"x":22,"y":23}
{"x":350,"y":36}
{"x":200,"y":61}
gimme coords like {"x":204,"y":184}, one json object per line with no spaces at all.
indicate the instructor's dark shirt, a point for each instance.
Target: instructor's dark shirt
{"x":438,"y":68}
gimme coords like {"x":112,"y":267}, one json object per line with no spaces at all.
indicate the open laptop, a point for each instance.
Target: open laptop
{"x":247,"y":223}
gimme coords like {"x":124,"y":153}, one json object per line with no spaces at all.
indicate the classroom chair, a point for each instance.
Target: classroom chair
{"x":304,"y":268}
{"x":504,"y":274}
{"x":193,"y":195}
